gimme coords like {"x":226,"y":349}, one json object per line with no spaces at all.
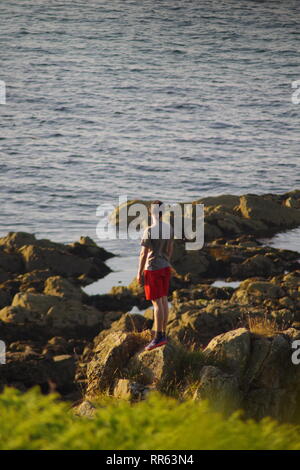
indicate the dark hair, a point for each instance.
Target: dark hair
{"x":158,"y":203}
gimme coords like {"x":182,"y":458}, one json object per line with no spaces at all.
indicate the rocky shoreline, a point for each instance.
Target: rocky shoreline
{"x":230,"y":345}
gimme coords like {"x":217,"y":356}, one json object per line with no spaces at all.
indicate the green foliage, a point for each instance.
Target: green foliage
{"x":34,"y":421}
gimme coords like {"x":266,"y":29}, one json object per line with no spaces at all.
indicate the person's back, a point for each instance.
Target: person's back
{"x":156,"y":238}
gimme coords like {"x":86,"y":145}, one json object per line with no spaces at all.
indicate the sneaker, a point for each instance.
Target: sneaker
{"x":156,"y":343}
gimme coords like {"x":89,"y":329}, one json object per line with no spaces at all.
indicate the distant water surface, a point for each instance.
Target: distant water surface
{"x":171,"y":99}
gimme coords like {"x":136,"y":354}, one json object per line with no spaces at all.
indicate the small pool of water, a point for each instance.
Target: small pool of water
{"x":124,"y":271}
{"x":289,"y":240}
{"x":234,"y":284}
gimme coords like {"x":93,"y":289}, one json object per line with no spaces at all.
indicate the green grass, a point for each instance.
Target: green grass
{"x":34,"y":421}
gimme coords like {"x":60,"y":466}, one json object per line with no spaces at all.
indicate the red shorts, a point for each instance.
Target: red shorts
{"x":156,"y":283}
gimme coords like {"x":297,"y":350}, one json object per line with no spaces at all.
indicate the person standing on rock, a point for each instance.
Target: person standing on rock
{"x":154,"y":270}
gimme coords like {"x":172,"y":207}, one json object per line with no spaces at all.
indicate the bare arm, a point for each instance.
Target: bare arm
{"x":142,"y":262}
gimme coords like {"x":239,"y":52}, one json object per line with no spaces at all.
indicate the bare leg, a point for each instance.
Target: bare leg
{"x":158,"y":315}
{"x":166,"y":312}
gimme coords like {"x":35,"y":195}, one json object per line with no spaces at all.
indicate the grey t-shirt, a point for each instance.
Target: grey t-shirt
{"x":156,"y":238}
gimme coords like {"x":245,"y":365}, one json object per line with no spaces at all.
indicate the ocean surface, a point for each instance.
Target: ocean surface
{"x":151,"y":99}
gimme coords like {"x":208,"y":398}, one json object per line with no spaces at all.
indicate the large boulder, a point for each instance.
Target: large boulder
{"x":260,"y":350}
{"x":120,"y":298}
{"x":196,"y":322}
{"x":73,"y":314}
{"x":16,"y":315}
{"x":257,"y":265}
{"x":60,"y":287}
{"x":256,"y":371}
{"x":15,"y":240}
{"x":156,"y":367}
{"x":50,"y":374}
{"x":220,"y":388}
{"x":33,"y":280}
{"x":83,"y":260}
{"x":110,"y":357}
{"x":11,"y":262}
{"x":51,"y":311}
{"x":255,"y":291}
{"x":272,"y":381}
{"x":5,"y":298}
{"x":87,"y":248}
{"x":231,"y":350}
{"x":38,"y":304}
{"x":268,"y":211}
{"x":128,"y":322}
{"x":59,"y":262}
